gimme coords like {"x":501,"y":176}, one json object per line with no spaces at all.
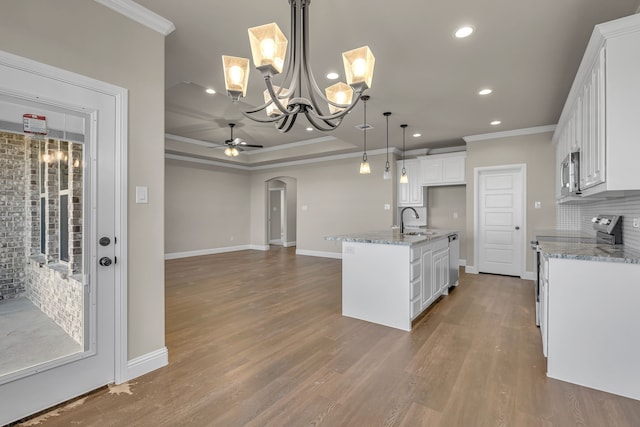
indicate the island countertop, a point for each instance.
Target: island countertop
{"x":394,"y":237}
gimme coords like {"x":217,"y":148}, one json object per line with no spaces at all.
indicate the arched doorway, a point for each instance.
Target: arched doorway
{"x":281,"y":211}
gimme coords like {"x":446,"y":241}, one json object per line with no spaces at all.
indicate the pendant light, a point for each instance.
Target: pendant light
{"x":387,"y":166}
{"x":364,"y":166}
{"x":404,"y":179}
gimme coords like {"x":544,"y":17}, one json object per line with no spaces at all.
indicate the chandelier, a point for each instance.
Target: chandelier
{"x":283,"y":103}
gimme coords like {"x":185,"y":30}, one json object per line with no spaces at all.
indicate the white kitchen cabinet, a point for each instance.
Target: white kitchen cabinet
{"x":410,"y":194}
{"x":443,"y":169}
{"x":427,"y":277}
{"x":589,"y":323}
{"x":441,"y":271}
{"x":600,"y":115}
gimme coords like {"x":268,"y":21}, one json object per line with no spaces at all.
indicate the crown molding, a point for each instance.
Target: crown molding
{"x":510,"y":133}
{"x":191,"y":140}
{"x":140,"y":14}
{"x":291,"y":145}
{"x":187,"y":158}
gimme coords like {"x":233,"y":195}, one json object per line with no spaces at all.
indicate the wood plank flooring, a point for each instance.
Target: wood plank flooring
{"x":257,"y":339}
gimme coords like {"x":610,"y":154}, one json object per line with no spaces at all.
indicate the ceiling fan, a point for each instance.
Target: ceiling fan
{"x":233,"y":146}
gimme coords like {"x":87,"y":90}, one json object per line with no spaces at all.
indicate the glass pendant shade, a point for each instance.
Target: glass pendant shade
{"x":268,"y":47}
{"x":236,"y":75}
{"x":358,"y":66}
{"x":339,"y":93}
{"x":272,"y":109}
{"x":387,"y":171}
{"x":364,"y":167}
{"x":404,"y":179}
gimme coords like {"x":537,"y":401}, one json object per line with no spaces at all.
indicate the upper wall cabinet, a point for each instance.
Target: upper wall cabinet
{"x":443,"y":169}
{"x":410,"y":194}
{"x":600,"y":116}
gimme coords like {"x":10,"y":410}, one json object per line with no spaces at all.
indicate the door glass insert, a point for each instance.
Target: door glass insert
{"x":42,"y":250}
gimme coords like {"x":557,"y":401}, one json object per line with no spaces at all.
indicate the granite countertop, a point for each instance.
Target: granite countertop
{"x":393,"y":237}
{"x":590,"y":252}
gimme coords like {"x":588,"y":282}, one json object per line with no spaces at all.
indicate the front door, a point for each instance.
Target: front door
{"x":500,"y":220}
{"x":60,"y":313}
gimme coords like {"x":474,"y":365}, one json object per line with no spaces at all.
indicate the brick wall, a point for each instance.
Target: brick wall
{"x":13,"y":201}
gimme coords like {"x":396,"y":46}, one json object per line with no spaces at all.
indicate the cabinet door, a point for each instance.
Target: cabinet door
{"x":427,"y":277}
{"x":415,"y":186}
{"x":403,"y":189}
{"x":598,"y":121}
{"x":453,"y":170}
{"x":410,"y":194}
{"x":431,"y":171}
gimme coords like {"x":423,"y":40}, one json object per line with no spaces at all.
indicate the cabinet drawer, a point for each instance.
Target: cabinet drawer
{"x":415,"y":254}
{"x":415,"y":289}
{"x":440,"y":244}
{"x":415,"y":271}
{"x":416,"y":307}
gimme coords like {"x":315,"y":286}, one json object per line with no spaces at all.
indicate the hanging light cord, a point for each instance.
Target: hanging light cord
{"x":404,"y":129}
{"x":364,"y":102}
{"x":387,"y":166}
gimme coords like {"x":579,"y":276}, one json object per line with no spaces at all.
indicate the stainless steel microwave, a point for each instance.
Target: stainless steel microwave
{"x":570,"y":174}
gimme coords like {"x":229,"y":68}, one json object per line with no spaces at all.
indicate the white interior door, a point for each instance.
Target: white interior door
{"x":276,"y":227}
{"x":33,"y":387}
{"x":500,"y":220}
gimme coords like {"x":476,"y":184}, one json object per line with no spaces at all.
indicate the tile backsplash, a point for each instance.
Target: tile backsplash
{"x":578,"y":217}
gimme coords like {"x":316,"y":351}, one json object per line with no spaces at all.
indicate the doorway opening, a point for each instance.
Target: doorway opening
{"x":281,"y":209}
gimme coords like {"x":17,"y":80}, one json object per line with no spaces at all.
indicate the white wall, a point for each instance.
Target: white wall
{"x":442,"y":202}
{"x":87,"y":38}
{"x":205,"y":207}
{"x":538,"y":153}
{"x":337,"y":198}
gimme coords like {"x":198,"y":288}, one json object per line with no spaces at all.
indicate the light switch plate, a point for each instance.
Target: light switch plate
{"x":537,"y":205}
{"x":142,"y":195}
{"x":636,"y":222}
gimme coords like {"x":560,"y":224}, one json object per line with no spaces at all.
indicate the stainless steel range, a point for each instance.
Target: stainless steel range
{"x":608,"y":229}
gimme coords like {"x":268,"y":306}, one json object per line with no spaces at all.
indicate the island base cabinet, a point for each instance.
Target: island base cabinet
{"x":593,"y":324}
{"x":376,"y":283}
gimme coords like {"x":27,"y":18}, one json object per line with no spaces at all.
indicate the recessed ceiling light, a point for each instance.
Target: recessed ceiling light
{"x":417,"y":135}
{"x":495,"y":122}
{"x":332,"y":76}
{"x":486,"y":91}
{"x":309,"y":129}
{"x":210,"y":91}
{"x":463,"y":32}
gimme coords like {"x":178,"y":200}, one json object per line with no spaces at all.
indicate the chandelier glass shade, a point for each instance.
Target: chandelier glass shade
{"x":299,"y":92}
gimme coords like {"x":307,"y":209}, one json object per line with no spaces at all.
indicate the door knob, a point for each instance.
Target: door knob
{"x":517,"y":228}
{"x":104,"y":241}
{"x":105,"y":261}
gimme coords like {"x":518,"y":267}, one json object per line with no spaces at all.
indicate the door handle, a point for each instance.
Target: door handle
{"x":517,"y":228}
{"x":105,"y":261}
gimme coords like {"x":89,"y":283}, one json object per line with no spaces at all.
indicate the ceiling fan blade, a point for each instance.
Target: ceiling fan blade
{"x":252,"y":145}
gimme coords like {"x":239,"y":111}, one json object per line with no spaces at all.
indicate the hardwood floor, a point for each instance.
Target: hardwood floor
{"x":257,"y":339}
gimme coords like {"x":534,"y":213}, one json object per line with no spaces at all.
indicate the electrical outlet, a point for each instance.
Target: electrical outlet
{"x":636,"y":222}
{"x":455,"y":215}
{"x":387,"y":207}
{"x":231,"y":238}
{"x":348,"y":249}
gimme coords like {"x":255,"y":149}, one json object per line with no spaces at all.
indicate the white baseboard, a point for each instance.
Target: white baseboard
{"x":471,"y":269}
{"x":177,"y":255}
{"x":275,"y":242}
{"x":322,"y":254}
{"x":259,"y":247}
{"x":146,"y":363}
{"x":289,"y":244}
{"x":462,"y":262}
{"x":529,"y":275}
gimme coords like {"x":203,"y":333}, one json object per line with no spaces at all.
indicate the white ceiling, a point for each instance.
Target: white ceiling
{"x":527,"y":52}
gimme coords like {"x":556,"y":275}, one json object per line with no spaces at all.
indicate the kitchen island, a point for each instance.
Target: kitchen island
{"x":390,"y":278}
